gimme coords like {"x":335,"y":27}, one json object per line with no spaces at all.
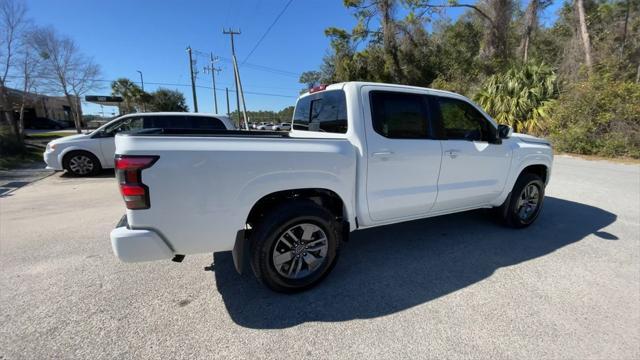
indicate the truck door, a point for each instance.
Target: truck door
{"x":403,"y":158}
{"x":474,"y":162}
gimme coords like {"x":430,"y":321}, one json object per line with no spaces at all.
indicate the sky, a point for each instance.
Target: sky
{"x":124,"y":36}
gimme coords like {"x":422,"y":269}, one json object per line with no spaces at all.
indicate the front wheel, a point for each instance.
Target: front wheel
{"x":81,"y":163}
{"x":295,"y":246}
{"x":523,"y":206}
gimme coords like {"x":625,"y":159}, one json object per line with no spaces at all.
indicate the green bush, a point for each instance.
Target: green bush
{"x":597,"y":117}
{"x":9,"y":145}
{"x":520,"y":96}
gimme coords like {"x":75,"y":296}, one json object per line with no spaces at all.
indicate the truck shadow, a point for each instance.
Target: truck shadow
{"x":389,"y":269}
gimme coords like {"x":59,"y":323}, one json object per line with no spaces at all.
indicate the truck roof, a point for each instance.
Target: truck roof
{"x":341,"y":85}
{"x":168,"y":113}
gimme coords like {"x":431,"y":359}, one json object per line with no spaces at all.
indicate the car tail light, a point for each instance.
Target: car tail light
{"x":129,"y":174}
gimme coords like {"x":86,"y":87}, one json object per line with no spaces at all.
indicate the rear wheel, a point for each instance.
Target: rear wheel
{"x":295,"y":246}
{"x":523,"y":206}
{"x":81,"y":163}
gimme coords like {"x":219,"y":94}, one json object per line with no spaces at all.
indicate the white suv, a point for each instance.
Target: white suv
{"x":87,"y":154}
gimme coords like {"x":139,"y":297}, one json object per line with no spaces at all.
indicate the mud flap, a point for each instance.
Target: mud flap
{"x":239,"y":252}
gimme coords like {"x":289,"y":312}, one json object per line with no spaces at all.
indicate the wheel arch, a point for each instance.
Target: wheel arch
{"x":71,"y":149}
{"x":66,"y":154}
{"x":326,"y":198}
{"x":541,"y":170}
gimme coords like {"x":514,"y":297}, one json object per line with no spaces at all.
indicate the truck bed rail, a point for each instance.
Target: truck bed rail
{"x":206,"y":132}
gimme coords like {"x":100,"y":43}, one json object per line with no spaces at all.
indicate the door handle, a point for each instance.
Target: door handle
{"x":382,"y":153}
{"x":452,"y":153}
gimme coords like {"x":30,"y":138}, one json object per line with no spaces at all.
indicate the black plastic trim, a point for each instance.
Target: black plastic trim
{"x":238,"y":253}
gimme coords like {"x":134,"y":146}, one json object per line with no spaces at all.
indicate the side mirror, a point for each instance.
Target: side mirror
{"x":504,"y":131}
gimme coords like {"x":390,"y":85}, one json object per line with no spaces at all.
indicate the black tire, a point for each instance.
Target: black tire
{"x":513,"y":215}
{"x":274,"y":226}
{"x":72,"y":169}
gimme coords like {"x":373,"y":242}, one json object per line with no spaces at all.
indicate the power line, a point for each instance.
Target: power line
{"x":159,"y":84}
{"x":253,"y":66}
{"x":267,"y":31}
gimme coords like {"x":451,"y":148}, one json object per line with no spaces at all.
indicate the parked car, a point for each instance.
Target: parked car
{"x":45,"y":123}
{"x":281,"y":127}
{"x":360,"y":155}
{"x":264,"y":126}
{"x":87,"y":154}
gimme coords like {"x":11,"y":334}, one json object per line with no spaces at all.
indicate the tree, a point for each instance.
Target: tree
{"x":168,"y":100}
{"x":496,"y":14}
{"x":29,"y":66}
{"x":72,"y":73}
{"x":13,"y":23}
{"x":584,"y":34}
{"x":530,"y":24}
{"x":132,"y":95}
{"x":310,"y":78}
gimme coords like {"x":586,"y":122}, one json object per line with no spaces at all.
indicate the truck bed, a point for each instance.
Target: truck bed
{"x":204,"y":183}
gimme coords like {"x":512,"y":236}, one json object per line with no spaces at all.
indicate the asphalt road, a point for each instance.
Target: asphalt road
{"x":457,"y":286}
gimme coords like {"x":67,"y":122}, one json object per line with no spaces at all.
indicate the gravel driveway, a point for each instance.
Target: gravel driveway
{"x":456,"y":286}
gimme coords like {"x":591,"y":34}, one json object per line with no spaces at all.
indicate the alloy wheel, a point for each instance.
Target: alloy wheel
{"x":300,"y":251}
{"x":528,"y":202}
{"x":81,"y":165}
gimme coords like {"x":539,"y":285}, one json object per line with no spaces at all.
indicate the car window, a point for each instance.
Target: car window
{"x":399,"y":115}
{"x":183,"y":122}
{"x":324,"y":111}
{"x":462,"y":121}
{"x":126,"y":125}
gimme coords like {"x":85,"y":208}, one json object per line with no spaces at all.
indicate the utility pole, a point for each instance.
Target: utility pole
{"x":228,"y":112}
{"x":213,"y":70}
{"x":144,"y":108}
{"x":236,"y":75}
{"x":193,"y":80}
{"x":141,"y":79}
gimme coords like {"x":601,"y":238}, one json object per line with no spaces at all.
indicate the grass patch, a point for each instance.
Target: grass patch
{"x":32,"y":154}
{"x":48,"y":135}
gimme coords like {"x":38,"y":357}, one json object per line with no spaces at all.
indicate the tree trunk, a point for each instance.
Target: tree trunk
{"x":74,"y":114}
{"x":7,"y":109}
{"x":624,"y":29}
{"x":20,"y":123}
{"x":530,"y":22}
{"x":389,"y":40}
{"x":584,"y":34}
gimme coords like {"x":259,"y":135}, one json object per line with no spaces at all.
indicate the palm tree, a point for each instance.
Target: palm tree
{"x":132,"y":95}
{"x":520,"y":97}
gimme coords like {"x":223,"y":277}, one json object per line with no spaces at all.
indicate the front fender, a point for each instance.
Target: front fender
{"x":522,"y":160}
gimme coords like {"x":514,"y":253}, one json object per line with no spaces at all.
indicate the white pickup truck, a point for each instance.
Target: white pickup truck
{"x":359,"y":155}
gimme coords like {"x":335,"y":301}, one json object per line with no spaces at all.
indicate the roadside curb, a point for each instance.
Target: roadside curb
{"x":10,"y":182}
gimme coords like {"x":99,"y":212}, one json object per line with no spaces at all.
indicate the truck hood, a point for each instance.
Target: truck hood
{"x":531,"y":139}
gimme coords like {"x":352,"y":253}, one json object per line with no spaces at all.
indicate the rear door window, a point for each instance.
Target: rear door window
{"x":399,"y":115}
{"x":325,"y":111}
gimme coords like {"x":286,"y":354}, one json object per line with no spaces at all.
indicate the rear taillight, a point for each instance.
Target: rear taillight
{"x":129,"y":174}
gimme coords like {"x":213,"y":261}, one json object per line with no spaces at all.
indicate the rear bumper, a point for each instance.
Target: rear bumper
{"x":138,"y":245}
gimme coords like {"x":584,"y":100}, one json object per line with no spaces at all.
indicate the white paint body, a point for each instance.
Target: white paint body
{"x":203,"y":188}
{"x":104,"y":148}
